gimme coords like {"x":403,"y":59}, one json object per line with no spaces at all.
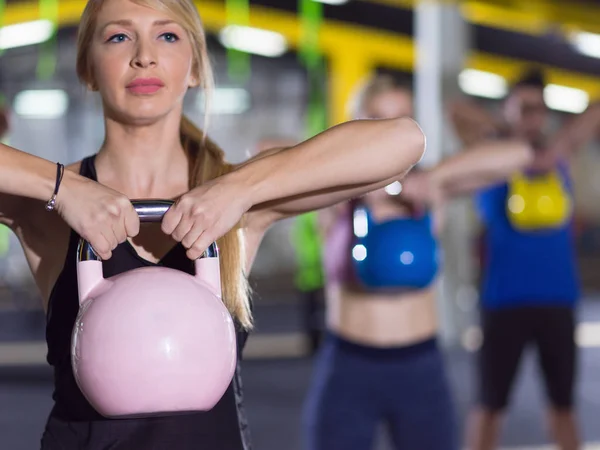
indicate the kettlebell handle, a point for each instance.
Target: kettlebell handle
{"x":151,"y":210}
{"x":90,"y":277}
{"x":148,"y":211}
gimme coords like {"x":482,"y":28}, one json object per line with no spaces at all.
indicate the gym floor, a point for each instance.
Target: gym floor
{"x":275,"y":386}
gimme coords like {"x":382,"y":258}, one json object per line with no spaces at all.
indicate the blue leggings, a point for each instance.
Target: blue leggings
{"x":356,"y":388}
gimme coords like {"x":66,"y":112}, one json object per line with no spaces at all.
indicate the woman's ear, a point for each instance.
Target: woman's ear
{"x":91,"y":81}
{"x":91,"y":85}
{"x":194,"y":82}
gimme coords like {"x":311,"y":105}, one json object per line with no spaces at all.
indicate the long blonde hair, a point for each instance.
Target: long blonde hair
{"x":207,"y":160}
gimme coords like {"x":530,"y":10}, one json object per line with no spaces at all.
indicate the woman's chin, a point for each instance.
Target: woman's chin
{"x":140,"y":117}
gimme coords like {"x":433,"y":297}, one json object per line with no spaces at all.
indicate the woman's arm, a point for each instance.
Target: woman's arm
{"x":471,"y":122}
{"x":268,"y":146}
{"x":23,"y":175}
{"x":577,"y":132}
{"x":102,"y":216}
{"x":345,"y":161}
{"x":482,"y":165}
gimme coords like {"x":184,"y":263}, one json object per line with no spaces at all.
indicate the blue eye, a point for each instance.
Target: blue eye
{"x":117,"y":38}
{"x":170,"y":37}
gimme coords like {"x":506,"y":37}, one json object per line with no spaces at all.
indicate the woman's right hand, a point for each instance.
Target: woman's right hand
{"x":100,"y":215}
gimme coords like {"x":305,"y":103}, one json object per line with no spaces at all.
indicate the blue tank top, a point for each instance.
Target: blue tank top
{"x":525,"y":268}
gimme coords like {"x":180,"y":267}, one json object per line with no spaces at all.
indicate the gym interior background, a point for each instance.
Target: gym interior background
{"x":479,"y":46}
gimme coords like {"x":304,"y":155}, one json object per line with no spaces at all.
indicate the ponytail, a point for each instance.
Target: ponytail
{"x":207,"y":162}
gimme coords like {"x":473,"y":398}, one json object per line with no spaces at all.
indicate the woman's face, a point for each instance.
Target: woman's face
{"x":142,"y":62}
{"x":390,"y":104}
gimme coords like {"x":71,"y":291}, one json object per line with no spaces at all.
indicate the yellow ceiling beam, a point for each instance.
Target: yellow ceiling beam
{"x":486,"y":14}
{"x":379,"y":48}
{"x":534,"y":17}
{"x":509,"y":19}
{"x":524,"y":16}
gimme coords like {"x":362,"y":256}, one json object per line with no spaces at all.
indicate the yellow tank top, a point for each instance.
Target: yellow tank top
{"x":538,"y":202}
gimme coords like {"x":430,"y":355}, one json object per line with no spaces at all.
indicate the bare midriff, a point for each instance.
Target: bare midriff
{"x":381,"y":319}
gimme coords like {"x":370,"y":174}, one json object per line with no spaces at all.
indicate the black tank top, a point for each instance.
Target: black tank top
{"x":74,"y":424}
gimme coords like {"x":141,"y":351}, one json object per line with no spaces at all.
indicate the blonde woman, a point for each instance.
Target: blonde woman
{"x":142,"y":56}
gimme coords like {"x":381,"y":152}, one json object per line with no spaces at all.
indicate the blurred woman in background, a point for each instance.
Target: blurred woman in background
{"x":380,"y":361}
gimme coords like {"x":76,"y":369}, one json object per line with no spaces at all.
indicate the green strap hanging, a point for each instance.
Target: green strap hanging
{"x":48,"y":60}
{"x":311,"y":14}
{"x":238,"y":62}
{"x":316,"y":114}
{"x":306,"y":240}
{"x":305,"y":236}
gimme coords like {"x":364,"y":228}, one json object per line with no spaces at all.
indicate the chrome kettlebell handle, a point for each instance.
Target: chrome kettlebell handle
{"x":148,"y":211}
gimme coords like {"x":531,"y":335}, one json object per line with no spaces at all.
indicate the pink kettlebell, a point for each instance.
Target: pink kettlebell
{"x":154,"y":340}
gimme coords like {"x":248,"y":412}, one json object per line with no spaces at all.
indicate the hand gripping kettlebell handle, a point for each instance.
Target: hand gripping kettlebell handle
{"x":89,"y":264}
{"x":148,"y":211}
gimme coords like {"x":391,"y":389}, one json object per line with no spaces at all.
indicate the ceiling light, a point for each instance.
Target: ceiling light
{"x":566,"y":99}
{"x":41,"y":104}
{"x":587,"y":43}
{"x":253,"y":40}
{"x":226,"y":101}
{"x":26,"y":33}
{"x":482,"y":84}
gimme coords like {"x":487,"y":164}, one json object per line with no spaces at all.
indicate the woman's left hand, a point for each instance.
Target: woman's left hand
{"x":418,"y":189}
{"x":204,"y":214}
